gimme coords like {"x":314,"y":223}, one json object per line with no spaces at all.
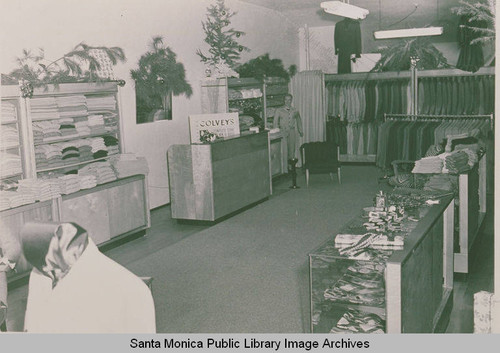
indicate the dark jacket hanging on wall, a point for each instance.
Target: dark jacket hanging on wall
{"x":347,"y":37}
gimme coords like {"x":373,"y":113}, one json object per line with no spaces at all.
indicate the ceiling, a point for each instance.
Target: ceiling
{"x":386,"y":14}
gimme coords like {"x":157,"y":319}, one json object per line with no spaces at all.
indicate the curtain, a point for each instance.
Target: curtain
{"x":307,"y":88}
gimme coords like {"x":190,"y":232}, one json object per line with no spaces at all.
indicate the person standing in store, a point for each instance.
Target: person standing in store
{"x":287,"y":119}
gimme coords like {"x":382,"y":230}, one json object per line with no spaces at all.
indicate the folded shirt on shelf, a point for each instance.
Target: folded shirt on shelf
{"x":8,"y":113}
{"x":9,"y":136}
{"x":10,"y":164}
{"x":428,"y":165}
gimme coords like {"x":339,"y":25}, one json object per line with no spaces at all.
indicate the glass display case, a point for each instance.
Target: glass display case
{"x":360,"y":288}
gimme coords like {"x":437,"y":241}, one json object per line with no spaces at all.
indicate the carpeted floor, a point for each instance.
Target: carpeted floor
{"x":249,"y":273}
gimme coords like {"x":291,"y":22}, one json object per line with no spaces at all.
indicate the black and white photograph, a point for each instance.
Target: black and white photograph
{"x":294,"y":167}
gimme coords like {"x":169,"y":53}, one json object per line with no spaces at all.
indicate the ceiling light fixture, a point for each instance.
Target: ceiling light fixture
{"x":410,"y":32}
{"x":341,"y":8}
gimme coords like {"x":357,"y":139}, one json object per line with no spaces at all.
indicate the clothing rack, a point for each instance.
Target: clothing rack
{"x":410,"y":117}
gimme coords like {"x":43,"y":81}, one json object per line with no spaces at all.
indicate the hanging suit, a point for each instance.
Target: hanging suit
{"x":347,"y":37}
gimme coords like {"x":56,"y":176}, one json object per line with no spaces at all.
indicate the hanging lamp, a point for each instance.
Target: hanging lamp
{"x":344,"y":9}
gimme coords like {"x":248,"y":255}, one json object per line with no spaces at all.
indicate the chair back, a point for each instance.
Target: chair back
{"x":319,"y":154}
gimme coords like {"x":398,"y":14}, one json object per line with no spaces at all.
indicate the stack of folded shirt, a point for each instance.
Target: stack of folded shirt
{"x":8,"y":113}
{"x":44,"y":109}
{"x":457,"y":162}
{"x":84,"y":149}
{"x":87,"y":181}
{"x":128,"y":164}
{"x":70,"y":153}
{"x":111,"y":143}
{"x":101,"y":103}
{"x":17,"y":198}
{"x":10,"y":164}
{"x":96,"y":125}
{"x":99,"y":149}
{"x":48,"y":129}
{"x":358,"y":321}
{"x":48,"y":156}
{"x":43,"y":189}
{"x":9,"y":137}
{"x":67,"y":128}
{"x":82,"y":127}
{"x":72,"y":106}
{"x":4,"y":200}
{"x":111,"y":122}
{"x":428,"y":165}
{"x":69,"y":183}
{"x":441,"y":182}
{"x":101,"y":170}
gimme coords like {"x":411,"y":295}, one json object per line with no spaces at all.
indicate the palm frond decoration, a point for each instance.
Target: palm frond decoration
{"x":398,"y":56}
{"x":78,"y":65}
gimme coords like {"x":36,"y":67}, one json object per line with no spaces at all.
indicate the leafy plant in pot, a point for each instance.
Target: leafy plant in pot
{"x":158,"y":77}
{"x":398,"y":56}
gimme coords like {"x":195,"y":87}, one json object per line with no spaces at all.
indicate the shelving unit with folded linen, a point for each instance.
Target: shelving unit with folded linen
{"x":11,"y":152}
{"x":74,"y":135}
{"x":72,"y":165}
{"x":246,"y":97}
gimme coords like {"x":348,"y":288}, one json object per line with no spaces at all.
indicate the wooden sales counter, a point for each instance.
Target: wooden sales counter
{"x":210,"y":181}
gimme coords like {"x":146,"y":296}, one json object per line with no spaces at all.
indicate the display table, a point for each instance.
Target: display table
{"x":209,"y":181}
{"x":408,"y":290}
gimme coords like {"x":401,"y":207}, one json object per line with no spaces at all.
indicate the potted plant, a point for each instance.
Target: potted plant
{"x":398,"y":56}
{"x":158,"y":77}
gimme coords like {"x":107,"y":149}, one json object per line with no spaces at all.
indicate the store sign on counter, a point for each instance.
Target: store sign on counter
{"x":221,"y":124}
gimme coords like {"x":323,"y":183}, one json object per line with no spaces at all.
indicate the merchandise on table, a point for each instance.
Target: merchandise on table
{"x":43,"y":189}
{"x":11,"y":199}
{"x":428,"y":165}
{"x":368,"y":289}
{"x":102,"y":170}
{"x":126,"y":165}
{"x":358,"y":321}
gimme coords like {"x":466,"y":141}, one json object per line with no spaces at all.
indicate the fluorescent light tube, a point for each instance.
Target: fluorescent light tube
{"x":411,"y":32}
{"x":340,"y":8}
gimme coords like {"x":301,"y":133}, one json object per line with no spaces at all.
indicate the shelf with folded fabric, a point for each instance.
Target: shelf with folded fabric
{"x":243,"y":99}
{"x":72,"y":138}
{"x":75,"y":164}
{"x":387,"y":288}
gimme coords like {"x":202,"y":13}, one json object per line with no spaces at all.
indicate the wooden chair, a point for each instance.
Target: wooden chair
{"x":319,"y":158}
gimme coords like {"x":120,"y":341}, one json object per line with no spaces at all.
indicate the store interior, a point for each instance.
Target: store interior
{"x":231,"y":233}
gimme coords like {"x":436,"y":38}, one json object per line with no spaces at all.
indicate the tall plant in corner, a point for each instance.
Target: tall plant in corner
{"x":224,"y":52}
{"x":159,"y":76}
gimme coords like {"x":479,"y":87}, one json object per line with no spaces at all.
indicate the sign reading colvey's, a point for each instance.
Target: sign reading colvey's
{"x":221,"y":124}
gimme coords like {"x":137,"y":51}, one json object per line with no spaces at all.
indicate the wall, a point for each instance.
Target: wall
{"x":57,"y":26}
